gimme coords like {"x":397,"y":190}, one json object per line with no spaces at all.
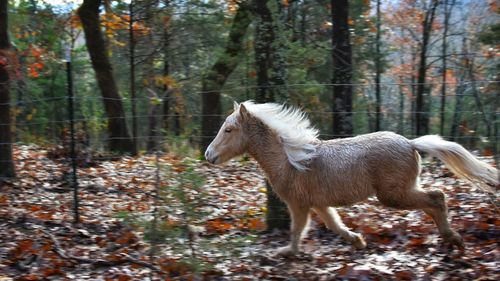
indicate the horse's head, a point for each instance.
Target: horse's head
{"x":231,"y":140}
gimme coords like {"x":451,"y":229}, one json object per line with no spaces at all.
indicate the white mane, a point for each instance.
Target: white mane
{"x":293,"y":127}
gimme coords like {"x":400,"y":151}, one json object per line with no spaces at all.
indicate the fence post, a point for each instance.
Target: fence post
{"x":74,"y":183}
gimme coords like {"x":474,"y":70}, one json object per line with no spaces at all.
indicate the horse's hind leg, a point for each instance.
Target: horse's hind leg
{"x":334,"y":223}
{"x":431,"y":202}
{"x":440,"y":216}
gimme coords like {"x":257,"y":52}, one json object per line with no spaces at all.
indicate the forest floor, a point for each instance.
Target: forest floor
{"x":225,"y":240}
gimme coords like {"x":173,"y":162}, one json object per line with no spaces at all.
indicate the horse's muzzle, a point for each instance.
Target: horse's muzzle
{"x":210,"y":158}
{"x":213,"y":160}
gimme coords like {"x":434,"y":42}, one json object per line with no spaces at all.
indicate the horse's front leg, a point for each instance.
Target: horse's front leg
{"x":300,"y":219}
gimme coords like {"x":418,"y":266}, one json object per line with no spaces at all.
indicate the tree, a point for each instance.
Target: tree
{"x":378,"y":70}
{"x":154,"y":104}
{"x":459,"y":91}
{"x":491,"y":36}
{"x":119,"y":138}
{"x":342,"y":69}
{"x":265,"y":36}
{"x":166,"y":64}
{"x":132,"y":43}
{"x":444,"y":54}
{"x":422,"y":108}
{"x":6,"y":160}
{"x":215,"y":77}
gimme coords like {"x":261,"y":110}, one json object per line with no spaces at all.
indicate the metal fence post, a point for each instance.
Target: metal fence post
{"x":71,"y":114}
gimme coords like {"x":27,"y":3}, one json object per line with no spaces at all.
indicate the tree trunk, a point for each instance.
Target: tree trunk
{"x":119,"y":138}
{"x":303,"y":25}
{"x":166,"y":69}
{"x":148,"y":75}
{"x":422,"y":106}
{"x":152,"y":133}
{"x":496,"y":126}
{"x":401,"y":121}
{"x":342,"y":70}
{"x":154,"y":104}
{"x":459,"y":94}
{"x":215,"y":78}
{"x":401,"y":115}
{"x":133,"y":97}
{"x":378,"y":70}
{"x":264,"y":37}
{"x":413,"y":92}
{"x":479,"y":103}
{"x":6,"y":160}
{"x":444,"y":66}
{"x":277,"y":216}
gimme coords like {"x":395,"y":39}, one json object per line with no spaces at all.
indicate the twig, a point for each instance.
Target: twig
{"x":99,"y":262}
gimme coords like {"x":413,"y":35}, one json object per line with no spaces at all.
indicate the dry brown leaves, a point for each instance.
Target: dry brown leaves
{"x":402,"y":245}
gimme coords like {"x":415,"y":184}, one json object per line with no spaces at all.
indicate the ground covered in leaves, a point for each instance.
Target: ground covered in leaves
{"x":223,"y":239}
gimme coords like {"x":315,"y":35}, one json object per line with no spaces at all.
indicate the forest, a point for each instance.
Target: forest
{"x":108,"y":106}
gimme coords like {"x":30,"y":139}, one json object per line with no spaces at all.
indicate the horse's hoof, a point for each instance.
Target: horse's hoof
{"x":359,"y":242}
{"x":454,"y":239}
{"x":286,"y":251}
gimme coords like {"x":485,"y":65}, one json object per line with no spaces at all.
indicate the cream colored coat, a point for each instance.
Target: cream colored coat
{"x":308,"y":173}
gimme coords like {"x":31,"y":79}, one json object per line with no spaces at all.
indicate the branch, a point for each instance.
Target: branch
{"x":99,"y":262}
{"x":438,"y":39}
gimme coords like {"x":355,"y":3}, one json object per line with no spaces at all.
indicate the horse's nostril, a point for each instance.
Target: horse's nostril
{"x":212,"y":160}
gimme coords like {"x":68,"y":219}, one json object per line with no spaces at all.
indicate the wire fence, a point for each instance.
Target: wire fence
{"x":71,"y":142}
{"x":249,"y":87}
{"x":398,"y":112}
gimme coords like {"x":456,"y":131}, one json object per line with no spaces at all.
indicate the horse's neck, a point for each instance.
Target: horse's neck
{"x":269,"y":153}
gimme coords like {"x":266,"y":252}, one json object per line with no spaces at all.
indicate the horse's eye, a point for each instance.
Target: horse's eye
{"x":227,"y":130}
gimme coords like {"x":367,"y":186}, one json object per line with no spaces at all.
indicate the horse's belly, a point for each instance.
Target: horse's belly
{"x":329,"y":195}
{"x":319,"y":190}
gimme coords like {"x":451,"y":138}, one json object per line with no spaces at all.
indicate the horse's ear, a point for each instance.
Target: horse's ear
{"x":235,"y":105}
{"x":243,"y":112}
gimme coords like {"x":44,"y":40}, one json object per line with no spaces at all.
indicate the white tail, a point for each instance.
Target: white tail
{"x":458,"y":160}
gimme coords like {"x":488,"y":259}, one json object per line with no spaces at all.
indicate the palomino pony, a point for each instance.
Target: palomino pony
{"x":311,"y":174}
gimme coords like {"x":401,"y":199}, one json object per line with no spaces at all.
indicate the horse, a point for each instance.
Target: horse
{"x":312,"y":174}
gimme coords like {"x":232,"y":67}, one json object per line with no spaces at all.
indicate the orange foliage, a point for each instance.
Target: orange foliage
{"x":74,"y":21}
{"x":113,"y":23}
{"x":166,"y":21}
{"x":256,"y":224}
{"x":218,"y":225}
{"x":36,"y":64}
{"x":493,"y":6}
{"x":232,"y":6}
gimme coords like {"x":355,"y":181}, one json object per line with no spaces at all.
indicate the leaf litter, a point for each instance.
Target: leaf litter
{"x":38,"y":240}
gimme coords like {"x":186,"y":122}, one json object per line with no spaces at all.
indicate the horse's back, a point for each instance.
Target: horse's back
{"x":376,"y":148}
{"x":361,"y":165}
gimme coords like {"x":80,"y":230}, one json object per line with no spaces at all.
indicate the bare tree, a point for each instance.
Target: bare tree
{"x":132,"y":42}
{"x":265,"y":57}
{"x":459,"y":91}
{"x":444,"y":54}
{"x":342,"y":69}
{"x":119,"y":138}
{"x":378,"y":71}
{"x":6,"y":160}
{"x":422,"y":108}
{"x":215,"y":77}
